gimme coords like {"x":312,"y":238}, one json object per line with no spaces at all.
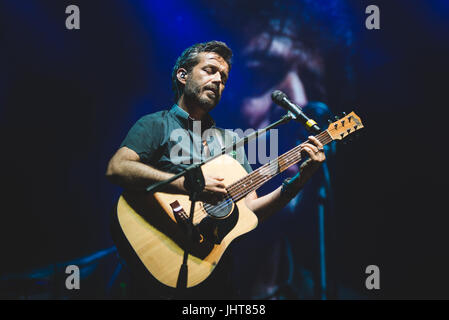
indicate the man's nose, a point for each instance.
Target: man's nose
{"x":217,"y":78}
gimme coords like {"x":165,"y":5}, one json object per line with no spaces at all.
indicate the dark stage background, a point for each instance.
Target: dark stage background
{"x":68,"y":98}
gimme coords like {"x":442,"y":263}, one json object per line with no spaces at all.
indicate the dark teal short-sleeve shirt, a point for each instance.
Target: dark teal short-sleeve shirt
{"x":170,"y":140}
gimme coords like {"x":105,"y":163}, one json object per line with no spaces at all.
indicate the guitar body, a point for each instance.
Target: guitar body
{"x":154,"y":228}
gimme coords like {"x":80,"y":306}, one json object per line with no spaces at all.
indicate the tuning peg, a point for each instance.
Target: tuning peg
{"x":337,"y":118}
{"x":343,"y":114}
{"x":329,"y":121}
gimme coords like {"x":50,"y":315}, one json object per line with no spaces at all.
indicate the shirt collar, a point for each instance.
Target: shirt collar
{"x":184,"y":118}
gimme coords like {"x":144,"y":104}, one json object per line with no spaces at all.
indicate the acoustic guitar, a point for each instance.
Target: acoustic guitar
{"x":155,"y":225}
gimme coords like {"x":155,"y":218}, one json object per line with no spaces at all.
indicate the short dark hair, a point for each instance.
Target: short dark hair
{"x":189,"y":58}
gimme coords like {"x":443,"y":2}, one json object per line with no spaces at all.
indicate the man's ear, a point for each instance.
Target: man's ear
{"x":181,"y":74}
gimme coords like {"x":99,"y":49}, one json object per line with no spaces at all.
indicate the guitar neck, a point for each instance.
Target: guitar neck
{"x":239,"y":189}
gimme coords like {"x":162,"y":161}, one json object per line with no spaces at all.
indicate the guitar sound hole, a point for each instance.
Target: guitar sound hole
{"x":220,"y":210}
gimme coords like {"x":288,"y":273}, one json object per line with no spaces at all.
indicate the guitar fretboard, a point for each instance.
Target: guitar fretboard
{"x":239,"y":189}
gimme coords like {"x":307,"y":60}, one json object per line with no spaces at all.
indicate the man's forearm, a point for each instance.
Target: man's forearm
{"x":136,"y":175}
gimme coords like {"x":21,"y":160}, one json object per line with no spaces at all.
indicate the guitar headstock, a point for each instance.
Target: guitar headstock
{"x":344,"y":126}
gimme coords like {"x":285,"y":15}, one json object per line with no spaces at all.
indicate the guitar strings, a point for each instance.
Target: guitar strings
{"x":285,"y":156}
{"x":235,"y":197}
{"x":237,"y":186}
{"x":284,"y":160}
{"x":256,"y":183}
{"x":288,"y":159}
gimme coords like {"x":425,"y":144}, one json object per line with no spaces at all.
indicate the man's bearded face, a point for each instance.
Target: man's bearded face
{"x":206,"y":81}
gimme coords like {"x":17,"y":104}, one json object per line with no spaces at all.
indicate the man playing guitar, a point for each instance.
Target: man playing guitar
{"x":199,"y":78}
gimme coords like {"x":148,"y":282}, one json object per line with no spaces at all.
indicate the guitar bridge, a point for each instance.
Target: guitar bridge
{"x":183,"y":220}
{"x":178,"y":212}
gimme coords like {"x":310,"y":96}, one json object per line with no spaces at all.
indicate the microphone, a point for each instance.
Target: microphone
{"x":281,"y":100}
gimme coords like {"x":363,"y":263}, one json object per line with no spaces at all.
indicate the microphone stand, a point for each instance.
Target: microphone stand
{"x":194,"y":184}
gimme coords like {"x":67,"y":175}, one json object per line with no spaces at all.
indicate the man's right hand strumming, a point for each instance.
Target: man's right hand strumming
{"x":213,"y":192}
